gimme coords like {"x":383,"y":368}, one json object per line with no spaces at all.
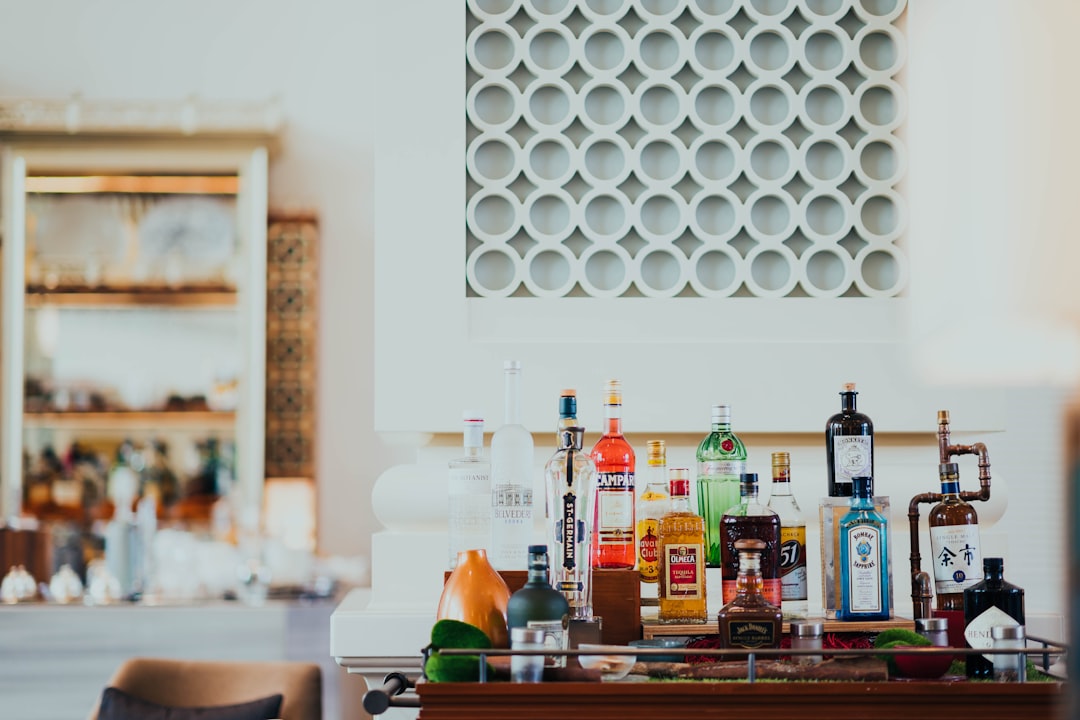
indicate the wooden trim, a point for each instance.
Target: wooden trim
{"x":140,"y":184}
{"x":133,"y":419}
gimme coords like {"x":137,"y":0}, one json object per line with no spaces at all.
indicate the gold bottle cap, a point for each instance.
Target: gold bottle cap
{"x":781,"y":459}
{"x":657,"y":451}
{"x":613,"y":392}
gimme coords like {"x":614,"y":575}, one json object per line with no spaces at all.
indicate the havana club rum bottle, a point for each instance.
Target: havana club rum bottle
{"x":792,"y":538}
{"x":954,"y":543}
{"x":749,"y":620}
{"x":613,"y":528}
{"x":651,"y":506}
{"x":721,"y":458}
{"x":849,"y":445}
{"x":750,"y":519}
{"x":682,"y":562}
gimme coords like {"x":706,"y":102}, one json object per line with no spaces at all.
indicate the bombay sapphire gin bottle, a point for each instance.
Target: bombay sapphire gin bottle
{"x":864,"y":559}
{"x":571,"y":478}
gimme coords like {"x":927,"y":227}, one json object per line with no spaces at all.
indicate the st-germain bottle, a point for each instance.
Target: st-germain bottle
{"x":749,"y":620}
{"x":571,"y":478}
{"x":721,"y":459}
{"x":864,"y":558}
{"x":682,"y":566}
{"x":511,"y":481}
{"x":651,"y":506}
{"x":849,"y":445}
{"x":989,"y":603}
{"x":613,"y":528}
{"x":749,"y":519}
{"x":954,"y":542}
{"x":792,"y":538}
{"x":469,"y":489}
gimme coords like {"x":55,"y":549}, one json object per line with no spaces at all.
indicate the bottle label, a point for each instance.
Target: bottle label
{"x":685,"y":579}
{"x":771,"y":590}
{"x":568,"y":535}
{"x":751,"y":634}
{"x":853,"y":456}
{"x":469,"y":511}
{"x":977,"y":632}
{"x":615,"y":500}
{"x":721,"y":468}
{"x":648,"y":550}
{"x":864,"y":570}
{"x":957,"y":557}
{"x":793,"y":563}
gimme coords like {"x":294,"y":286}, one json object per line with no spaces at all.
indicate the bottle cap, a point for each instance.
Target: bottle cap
{"x":932,"y":624}
{"x":748,"y":480}
{"x":526,"y":635}
{"x":848,"y":388}
{"x":948,"y":470}
{"x":657,"y":451}
{"x":860,"y":486}
{"x":721,"y":414}
{"x":511,"y":365}
{"x":807,"y":628}
{"x":613,"y":392}
{"x":538,"y":549}
{"x":781,"y":458}
{"x":749,"y":545}
{"x":679,"y":482}
{"x":472,"y":416}
{"x":993,"y":564}
{"x":1008,"y":632}
{"x":567,"y":404}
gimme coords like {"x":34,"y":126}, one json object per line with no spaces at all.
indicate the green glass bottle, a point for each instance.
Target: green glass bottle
{"x":721,"y":458}
{"x":536,"y":600}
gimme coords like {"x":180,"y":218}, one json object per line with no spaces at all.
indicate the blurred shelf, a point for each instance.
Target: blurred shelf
{"x":132,"y":420}
{"x":139,"y":184}
{"x":192,"y":296}
{"x":651,"y":629}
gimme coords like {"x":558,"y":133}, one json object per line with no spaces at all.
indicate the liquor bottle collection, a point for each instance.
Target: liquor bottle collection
{"x":596,"y":519}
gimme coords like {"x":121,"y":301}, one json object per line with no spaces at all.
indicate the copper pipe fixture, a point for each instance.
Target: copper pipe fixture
{"x":920,"y":580}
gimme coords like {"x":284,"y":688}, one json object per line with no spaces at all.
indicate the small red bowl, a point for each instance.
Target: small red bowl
{"x":925,"y":666}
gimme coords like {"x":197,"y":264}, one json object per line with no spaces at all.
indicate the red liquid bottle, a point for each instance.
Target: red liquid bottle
{"x":613,"y":526}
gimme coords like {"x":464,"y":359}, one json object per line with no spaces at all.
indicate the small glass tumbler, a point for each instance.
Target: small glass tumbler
{"x":1009,"y":667}
{"x":806,"y":635}
{"x":555,"y":638}
{"x":934,"y":629}
{"x":526,"y":668}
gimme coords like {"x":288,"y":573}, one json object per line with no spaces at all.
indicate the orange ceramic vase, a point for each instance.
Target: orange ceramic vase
{"x":476,"y":594}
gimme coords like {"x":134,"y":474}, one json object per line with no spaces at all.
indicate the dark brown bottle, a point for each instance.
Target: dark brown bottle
{"x":749,"y":620}
{"x":750,"y":519}
{"x":849,"y":445}
{"x":986,"y":604}
{"x":956,"y":550}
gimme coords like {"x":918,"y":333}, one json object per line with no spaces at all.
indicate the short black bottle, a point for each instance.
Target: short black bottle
{"x":987,"y":604}
{"x":849,"y":445}
{"x":536,"y":600}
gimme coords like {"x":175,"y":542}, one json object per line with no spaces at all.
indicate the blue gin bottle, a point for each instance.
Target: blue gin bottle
{"x":864,"y":558}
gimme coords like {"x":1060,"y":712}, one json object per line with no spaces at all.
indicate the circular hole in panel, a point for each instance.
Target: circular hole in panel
{"x":604,"y":215}
{"x":494,"y":269}
{"x":826,"y":271}
{"x":769,"y":106}
{"x":605,"y":270}
{"x":823,"y":8}
{"x":770,"y":270}
{"x":604,"y":160}
{"x":715,"y":160}
{"x":660,"y":270}
{"x":494,"y":50}
{"x":769,"y":51}
{"x":605,"y":7}
{"x":824,"y":51}
{"x":495,"y":215}
{"x":549,"y":270}
{"x":716,"y":271}
{"x":549,"y":105}
{"x":770,"y":160}
{"x":659,"y":51}
{"x":824,"y":106}
{"x":878,"y":161}
{"x":659,"y":8}
{"x":550,"y":215}
{"x":550,"y":7}
{"x":714,"y":8}
{"x":878,"y":51}
{"x":715,"y":51}
{"x":494,"y":160}
{"x":495,"y":105}
{"x":659,"y":105}
{"x":549,"y":50}
{"x":825,"y":160}
{"x":659,"y":160}
{"x":879,"y":215}
{"x":604,"y":50}
{"x":716,"y":215}
{"x":604,"y":105}
{"x":771,"y":8}
{"x":549,"y":160}
{"x":715,"y":106}
{"x":880,"y":270}
{"x":770,"y":215}
{"x":825,"y":215}
{"x":878,"y":106}
{"x":879,"y":8}
{"x":494,"y":7}
{"x":660,"y":215}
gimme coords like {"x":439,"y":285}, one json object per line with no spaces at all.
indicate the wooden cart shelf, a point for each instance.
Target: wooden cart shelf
{"x":652,"y":629}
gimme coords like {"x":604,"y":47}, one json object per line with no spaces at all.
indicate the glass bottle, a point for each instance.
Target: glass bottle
{"x":682,"y":548}
{"x":567,"y":413}
{"x":721,"y":459}
{"x":989,"y":603}
{"x":536,"y":604}
{"x":849,"y":445}
{"x":954,"y":542}
{"x":613,"y":526}
{"x":571,"y":477}
{"x":750,"y":519}
{"x":749,"y":620}
{"x":511,"y":481}
{"x":469,"y":492}
{"x":792,"y":538}
{"x":864,"y":558}
{"x":651,"y":506}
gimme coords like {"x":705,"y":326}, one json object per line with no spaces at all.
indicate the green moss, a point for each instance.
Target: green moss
{"x":454,"y":668}
{"x":456,"y":634}
{"x":899,"y":636}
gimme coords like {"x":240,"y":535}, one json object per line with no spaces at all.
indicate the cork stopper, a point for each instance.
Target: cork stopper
{"x":849,"y":387}
{"x":749,"y":545}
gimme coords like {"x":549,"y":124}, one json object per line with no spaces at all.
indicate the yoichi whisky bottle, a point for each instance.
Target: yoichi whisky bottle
{"x":651,"y":506}
{"x":989,"y":603}
{"x":613,"y":526}
{"x":749,"y":620}
{"x":511,"y":481}
{"x":864,"y":558}
{"x":954,"y":542}
{"x":721,"y":459}
{"x":571,"y":476}
{"x":750,"y":519}
{"x":849,"y":445}
{"x":792,"y":538}
{"x":682,"y":566}
{"x":469,"y":490}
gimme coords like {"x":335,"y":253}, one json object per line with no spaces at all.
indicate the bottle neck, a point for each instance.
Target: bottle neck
{"x":847,"y":401}
{"x":748,"y":494}
{"x":512,"y":401}
{"x":950,"y":489}
{"x":749,"y":581}
{"x":680,"y":503}
{"x":781,"y":480}
{"x":612,"y":419}
{"x":473,"y":453}
{"x":538,"y":574}
{"x":657,"y":476}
